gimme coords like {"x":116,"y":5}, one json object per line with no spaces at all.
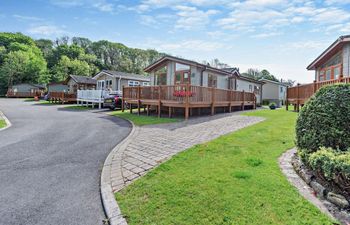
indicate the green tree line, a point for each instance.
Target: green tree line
{"x":25,"y":60}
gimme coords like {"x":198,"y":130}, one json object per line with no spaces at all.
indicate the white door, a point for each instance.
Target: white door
{"x":100,"y":85}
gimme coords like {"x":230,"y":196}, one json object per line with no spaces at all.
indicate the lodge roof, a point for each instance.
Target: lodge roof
{"x":185,"y":61}
{"x":82,"y":79}
{"x":329,"y":52}
{"x":130,"y":76}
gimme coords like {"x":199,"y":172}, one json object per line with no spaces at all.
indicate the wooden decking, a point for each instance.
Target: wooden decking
{"x":186,"y":97}
{"x":299,"y":94}
{"x":15,"y":94}
{"x":62,"y":97}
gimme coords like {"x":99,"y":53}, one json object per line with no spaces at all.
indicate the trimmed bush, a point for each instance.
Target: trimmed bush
{"x":272,"y":105}
{"x":324,"y":121}
{"x":332,"y":165}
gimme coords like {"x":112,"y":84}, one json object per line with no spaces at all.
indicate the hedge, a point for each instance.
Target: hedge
{"x":324,"y":121}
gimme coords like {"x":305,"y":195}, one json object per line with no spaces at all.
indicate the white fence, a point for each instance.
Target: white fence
{"x":91,"y":96}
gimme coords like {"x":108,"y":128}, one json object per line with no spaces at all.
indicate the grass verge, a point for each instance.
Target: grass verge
{"x":2,"y":123}
{"x":141,"y":120}
{"x":234,"y":179}
{"x":77,"y":107}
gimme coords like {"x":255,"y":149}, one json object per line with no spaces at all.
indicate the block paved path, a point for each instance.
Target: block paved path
{"x":151,"y":145}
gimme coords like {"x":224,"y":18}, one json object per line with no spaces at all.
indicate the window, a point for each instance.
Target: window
{"x":250,"y":88}
{"x":281,"y":89}
{"x":328,"y":74}
{"x":133,"y":83}
{"x":182,"y":73}
{"x":108,"y":84}
{"x":145,"y":83}
{"x":160,"y":76}
{"x":256,"y":90}
{"x":321,"y":75}
{"x":212,"y":80}
{"x":336,"y":72}
{"x":100,"y":85}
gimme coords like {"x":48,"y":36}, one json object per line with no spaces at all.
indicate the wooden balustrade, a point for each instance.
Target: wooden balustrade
{"x":185,"y":96}
{"x":62,"y":97}
{"x":16,"y":94}
{"x":299,"y":94}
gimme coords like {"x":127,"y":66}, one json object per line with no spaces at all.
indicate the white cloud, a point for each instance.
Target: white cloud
{"x":104,"y":7}
{"x":332,"y":2}
{"x":192,"y":17}
{"x":68,"y":3}
{"x":101,"y":5}
{"x":185,"y":46}
{"x":47,"y":30}
{"x":29,"y":18}
{"x":330,"y":16}
{"x":266,"y":35}
{"x":306,"y":45}
{"x":148,"y":20}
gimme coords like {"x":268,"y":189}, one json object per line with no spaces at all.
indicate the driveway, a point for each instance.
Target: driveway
{"x":50,"y":163}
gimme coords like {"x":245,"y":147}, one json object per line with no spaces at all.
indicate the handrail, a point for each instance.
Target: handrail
{"x":299,"y":94}
{"x":181,"y":93}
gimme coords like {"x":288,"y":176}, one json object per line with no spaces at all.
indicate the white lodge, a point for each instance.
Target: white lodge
{"x":113,"y":81}
{"x":171,"y":70}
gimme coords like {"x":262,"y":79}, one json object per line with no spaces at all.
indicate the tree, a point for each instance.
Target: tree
{"x":46,"y":46}
{"x":23,"y":66}
{"x":66,"y":67}
{"x":23,"y":59}
{"x":266,"y":75}
{"x":82,"y":42}
{"x":289,"y":82}
{"x":253,"y":73}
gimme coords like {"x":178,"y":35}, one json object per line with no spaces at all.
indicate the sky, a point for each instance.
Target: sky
{"x":278,"y":35}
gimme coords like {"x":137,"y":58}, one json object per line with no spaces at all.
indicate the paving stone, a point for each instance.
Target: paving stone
{"x":154,"y":144}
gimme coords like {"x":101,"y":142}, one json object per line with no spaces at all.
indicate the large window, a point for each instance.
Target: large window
{"x":336,"y":72}
{"x":182,"y":74}
{"x":321,"y":76}
{"x":212,"y":81}
{"x":133,"y":83}
{"x":160,"y":76}
{"x":329,"y":73}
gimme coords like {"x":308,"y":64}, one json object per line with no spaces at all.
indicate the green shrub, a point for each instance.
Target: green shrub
{"x":272,"y":105}
{"x":265,"y":102}
{"x":324,"y":120}
{"x":331,"y":163}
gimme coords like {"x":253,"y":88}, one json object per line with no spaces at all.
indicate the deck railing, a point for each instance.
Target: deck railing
{"x":186,"y":96}
{"x":299,"y":94}
{"x":16,"y":94}
{"x":91,"y":95}
{"x":62,"y":95}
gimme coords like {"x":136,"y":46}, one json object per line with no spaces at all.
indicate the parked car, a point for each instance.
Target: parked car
{"x":113,"y":101}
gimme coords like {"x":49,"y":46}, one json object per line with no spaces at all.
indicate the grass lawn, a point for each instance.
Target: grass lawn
{"x":2,"y":123}
{"x":234,"y":179}
{"x":143,"y":119}
{"x":44,"y":102}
